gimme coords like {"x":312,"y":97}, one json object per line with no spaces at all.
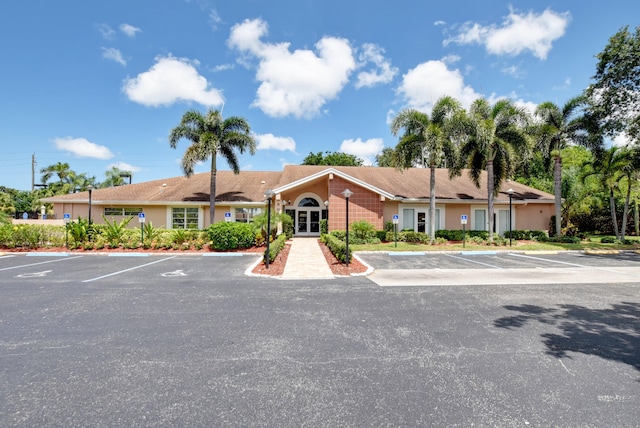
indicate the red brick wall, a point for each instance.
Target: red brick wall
{"x":363,"y":205}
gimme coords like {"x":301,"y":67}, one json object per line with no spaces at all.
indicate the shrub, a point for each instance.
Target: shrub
{"x":115,"y":231}
{"x":608,"y":240}
{"x":363,"y":230}
{"x":275,"y":247}
{"x":324,"y":226}
{"x":337,"y":247}
{"x":526,"y":234}
{"x":231,"y":236}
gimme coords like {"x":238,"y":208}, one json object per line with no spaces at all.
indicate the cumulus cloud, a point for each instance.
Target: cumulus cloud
{"x":113,"y":54}
{"x":423,"y":85}
{"x":271,"y":142}
{"x":297,"y":83}
{"x":382,"y":72}
{"x":171,"y":80}
{"x":365,"y":150}
{"x":517,"y":33}
{"x":83,"y":148}
{"x":129,"y":30}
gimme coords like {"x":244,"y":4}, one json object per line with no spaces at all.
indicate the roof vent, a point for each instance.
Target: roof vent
{"x":164,"y":184}
{"x":264,"y":182}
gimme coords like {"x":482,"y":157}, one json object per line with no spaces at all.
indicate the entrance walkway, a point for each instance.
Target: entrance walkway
{"x":306,"y":261}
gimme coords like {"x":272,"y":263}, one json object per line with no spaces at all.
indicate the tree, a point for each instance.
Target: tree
{"x":556,"y":129}
{"x":115,"y":177}
{"x":385,"y":158}
{"x":211,"y":135}
{"x":615,"y":93}
{"x":426,"y":142}
{"x":493,"y":134}
{"x":609,"y":168}
{"x":332,"y":158}
{"x":64,"y":173}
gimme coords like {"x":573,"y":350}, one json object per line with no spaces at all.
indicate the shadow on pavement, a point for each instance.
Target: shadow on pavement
{"x":613,"y":334}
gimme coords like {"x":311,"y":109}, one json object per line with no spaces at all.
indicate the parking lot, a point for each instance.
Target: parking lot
{"x":191,"y":340}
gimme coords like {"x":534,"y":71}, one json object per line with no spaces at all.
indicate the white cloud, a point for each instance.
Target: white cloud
{"x":513,"y":71}
{"x":383,"y":71}
{"x":82,"y":148}
{"x":123,"y":166}
{"x":518,"y":33}
{"x":113,"y":54}
{"x":297,"y":83}
{"x":423,"y":85}
{"x":106,"y":31}
{"x":365,"y":150}
{"x":171,"y":80}
{"x":271,"y":142}
{"x":129,"y":30}
{"x":439,"y":22}
{"x":450,"y":59}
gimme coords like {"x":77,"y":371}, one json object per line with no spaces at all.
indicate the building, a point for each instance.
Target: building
{"x":312,"y":193}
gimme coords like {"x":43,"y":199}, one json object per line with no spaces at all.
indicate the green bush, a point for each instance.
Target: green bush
{"x":382,"y":235}
{"x":324,"y":226}
{"x":231,"y":235}
{"x":527,"y":235}
{"x":275,"y":247}
{"x":337,"y":247}
{"x":363,"y":230}
{"x":608,"y":240}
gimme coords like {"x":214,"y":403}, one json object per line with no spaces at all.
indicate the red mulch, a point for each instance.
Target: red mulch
{"x":276,"y":268}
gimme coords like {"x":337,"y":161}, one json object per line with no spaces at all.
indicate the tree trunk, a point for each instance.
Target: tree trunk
{"x":557,"y":184}
{"x":625,"y":211}
{"x":612,"y":206}
{"x":490,"y":197}
{"x":212,"y":189}
{"x":432,"y":204}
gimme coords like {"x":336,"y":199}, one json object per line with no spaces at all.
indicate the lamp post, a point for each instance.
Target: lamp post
{"x":326,"y":206}
{"x":510,"y":192}
{"x":268,"y":194}
{"x":90,"y":189}
{"x":347,"y":194}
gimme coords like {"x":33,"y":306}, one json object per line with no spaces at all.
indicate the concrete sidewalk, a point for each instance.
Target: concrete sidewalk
{"x":306,"y":260}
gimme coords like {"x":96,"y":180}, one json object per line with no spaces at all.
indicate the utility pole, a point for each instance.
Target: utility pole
{"x":33,"y":172}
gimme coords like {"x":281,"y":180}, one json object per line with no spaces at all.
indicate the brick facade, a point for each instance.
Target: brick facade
{"x":363,"y":205}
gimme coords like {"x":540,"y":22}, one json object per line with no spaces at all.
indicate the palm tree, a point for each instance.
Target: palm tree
{"x":493,"y":135}
{"x":61,"y":170}
{"x":426,"y":142}
{"x":115,"y":177}
{"x":556,"y":129}
{"x":609,"y":167}
{"x":211,"y":136}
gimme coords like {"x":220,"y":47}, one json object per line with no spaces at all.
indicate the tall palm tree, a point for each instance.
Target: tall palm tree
{"x":609,"y":167}
{"x":115,"y":177}
{"x":556,"y":128}
{"x":211,"y":135}
{"x":493,"y":135}
{"x":426,"y":142}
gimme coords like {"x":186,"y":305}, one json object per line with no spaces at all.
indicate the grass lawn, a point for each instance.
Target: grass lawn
{"x":591,"y":243}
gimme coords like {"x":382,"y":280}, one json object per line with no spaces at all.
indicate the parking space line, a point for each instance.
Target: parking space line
{"x":574,"y":264}
{"x":473,"y":261}
{"x":40,"y":263}
{"x":127,"y":270}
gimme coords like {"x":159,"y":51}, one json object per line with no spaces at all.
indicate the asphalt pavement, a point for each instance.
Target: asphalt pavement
{"x":186,"y":340}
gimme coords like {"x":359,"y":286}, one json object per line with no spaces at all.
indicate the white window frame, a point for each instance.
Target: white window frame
{"x":184,"y":208}
{"x":474,"y":209}
{"x":440,"y":216}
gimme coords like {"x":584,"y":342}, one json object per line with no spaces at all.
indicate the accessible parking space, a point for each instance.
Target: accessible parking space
{"x":125,"y":267}
{"x":501,"y":267}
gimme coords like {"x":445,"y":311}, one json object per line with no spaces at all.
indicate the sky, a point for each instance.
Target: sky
{"x":101,"y":84}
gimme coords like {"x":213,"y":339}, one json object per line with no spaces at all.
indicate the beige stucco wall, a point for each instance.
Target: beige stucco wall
{"x":533,"y":216}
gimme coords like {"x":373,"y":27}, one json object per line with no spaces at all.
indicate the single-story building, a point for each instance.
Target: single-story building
{"x":310,"y":193}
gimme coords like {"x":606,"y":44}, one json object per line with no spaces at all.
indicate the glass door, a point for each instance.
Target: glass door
{"x":302,"y":224}
{"x":314,"y":224}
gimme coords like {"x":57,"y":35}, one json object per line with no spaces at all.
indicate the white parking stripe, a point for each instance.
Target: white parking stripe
{"x":130,"y":269}
{"x":576,"y":264}
{"x":41,"y":263}
{"x":473,"y":261}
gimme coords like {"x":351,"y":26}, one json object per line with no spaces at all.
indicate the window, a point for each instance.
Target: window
{"x":407,"y":219}
{"x":184,"y":218}
{"x":479,"y":220}
{"x":309,"y":202}
{"x":111,"y":211}
{"x":246,"y":215}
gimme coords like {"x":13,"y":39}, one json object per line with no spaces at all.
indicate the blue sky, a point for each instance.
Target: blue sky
{"x":101,"y":84}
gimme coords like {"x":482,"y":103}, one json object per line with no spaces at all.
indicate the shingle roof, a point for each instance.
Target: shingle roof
{"x":250,"y":186}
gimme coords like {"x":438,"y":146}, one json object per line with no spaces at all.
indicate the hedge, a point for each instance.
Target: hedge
{"x":408,"y":236}
{"x":337,"y":247}
{"x":231,"y":235}
{"x":275,"y":247}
